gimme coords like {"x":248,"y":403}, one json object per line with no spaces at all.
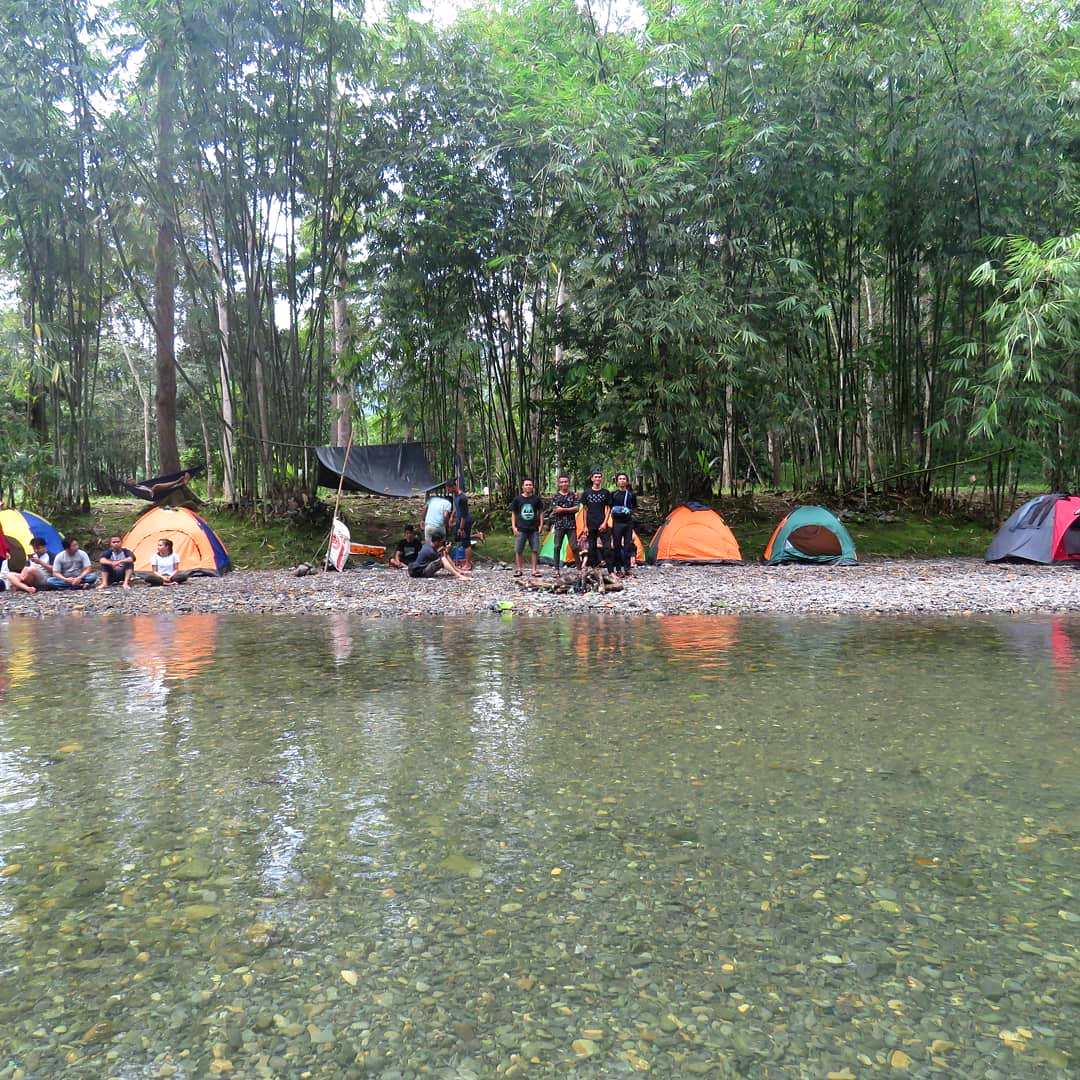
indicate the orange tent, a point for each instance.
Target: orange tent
{"x":197,"y":545}
{"x":692,"y":533}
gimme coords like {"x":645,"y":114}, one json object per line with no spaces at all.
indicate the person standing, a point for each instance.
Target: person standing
{"x":462,"y":524}
{"x":526,"y":520}
{"x":117,"y":565}
{"x":597,"y":500}
{"x":71,"y":568}
{"x":623,"y":505}
{"x":437,"y":517}
{"x":564,"y":508}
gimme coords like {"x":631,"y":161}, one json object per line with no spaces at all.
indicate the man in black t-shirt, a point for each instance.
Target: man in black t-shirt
{"x":408,"y":547}
{"x":117,"y":565}
{"x":564,"y":508}
{"x":596,"y":501}
{"x":527,"y":519}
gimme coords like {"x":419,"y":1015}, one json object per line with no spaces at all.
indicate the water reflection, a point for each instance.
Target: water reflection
{"x":572,"y":820}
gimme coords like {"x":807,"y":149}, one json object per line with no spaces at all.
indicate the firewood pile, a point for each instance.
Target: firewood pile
{"x":588,"y":579}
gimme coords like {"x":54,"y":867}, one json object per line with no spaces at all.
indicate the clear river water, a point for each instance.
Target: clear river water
{"x":721,"y":846}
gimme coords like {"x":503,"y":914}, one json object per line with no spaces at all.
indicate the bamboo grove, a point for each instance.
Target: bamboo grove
{"x":782,"y":243}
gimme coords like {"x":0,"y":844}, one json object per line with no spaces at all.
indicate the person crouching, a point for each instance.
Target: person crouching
{"x":434,"y":557}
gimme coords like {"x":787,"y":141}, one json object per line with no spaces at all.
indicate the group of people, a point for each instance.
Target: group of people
{"x":607,"y":536}
{"x":72,"y":568}
{"x":446,"y":516}
{"x":608,"y":533}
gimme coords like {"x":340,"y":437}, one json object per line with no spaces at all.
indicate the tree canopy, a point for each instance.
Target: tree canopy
{"x":720,"y":241}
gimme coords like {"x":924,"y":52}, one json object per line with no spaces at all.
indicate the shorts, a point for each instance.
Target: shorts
{"x":430,"y":570}
{"x":431,"y":530}
{"x":464,"y":533}
{"x":530,"y":537}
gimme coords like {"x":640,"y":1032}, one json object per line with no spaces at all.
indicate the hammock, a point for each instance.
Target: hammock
{"x":144,"y":489}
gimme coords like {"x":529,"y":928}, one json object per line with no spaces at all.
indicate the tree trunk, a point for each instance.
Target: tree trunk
{"x":341,"y":397}
{"x":228,"y":486}
{"x":772,"y":443}
{"x":165,"y":273}
{"x":144,"y":397}
{"x":560,"y":303}
{"x":727,"y":479}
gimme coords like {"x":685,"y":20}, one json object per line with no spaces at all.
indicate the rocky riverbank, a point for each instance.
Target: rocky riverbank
{"x":887,"y":587}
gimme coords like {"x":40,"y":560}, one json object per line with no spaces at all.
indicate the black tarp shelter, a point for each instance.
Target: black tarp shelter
{"x":399,"y":469}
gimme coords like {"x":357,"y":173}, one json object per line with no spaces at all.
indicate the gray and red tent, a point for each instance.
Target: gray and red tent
{"x":1044,"y":530}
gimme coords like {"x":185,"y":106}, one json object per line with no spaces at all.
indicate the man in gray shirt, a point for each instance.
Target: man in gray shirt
{"x":71,"y":568}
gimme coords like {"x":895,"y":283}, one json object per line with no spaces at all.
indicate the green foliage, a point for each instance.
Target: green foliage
{"x":724,"y":244}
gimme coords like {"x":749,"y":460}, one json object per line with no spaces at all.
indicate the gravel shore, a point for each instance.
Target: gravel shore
{"x":888,"y":587}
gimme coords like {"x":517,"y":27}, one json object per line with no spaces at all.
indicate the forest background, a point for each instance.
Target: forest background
{"x":794,"y":244}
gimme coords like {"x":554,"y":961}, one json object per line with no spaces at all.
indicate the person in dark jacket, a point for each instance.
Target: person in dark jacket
{"x":623,"y":505}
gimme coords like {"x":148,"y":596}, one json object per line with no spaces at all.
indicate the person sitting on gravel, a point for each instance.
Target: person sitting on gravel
{"x":10,"y":580}
{"x":166,"y":567}
{"x":117,"y":565}
{"x":432,"y":558}
{"x":408,"y":547}
{"x":38,"y":568}
{"x":71,"y":568}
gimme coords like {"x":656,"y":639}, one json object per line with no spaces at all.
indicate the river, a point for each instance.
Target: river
{"x":727,"y":846}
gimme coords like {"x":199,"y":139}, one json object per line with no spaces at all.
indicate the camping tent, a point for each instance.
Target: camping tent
{"x":693,"y":533}
{"x":810,"y":534}
{"x":20,"y":527}
{"x":197,"y":545}
{"x":1044,"y":530}
{"x":547,"y":549}
{"x":399,"y":469}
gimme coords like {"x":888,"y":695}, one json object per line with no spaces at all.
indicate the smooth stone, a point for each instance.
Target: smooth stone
{"x":193,"y":870}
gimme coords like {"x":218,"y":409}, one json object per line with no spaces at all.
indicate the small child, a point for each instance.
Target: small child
{"x":166,"y":567}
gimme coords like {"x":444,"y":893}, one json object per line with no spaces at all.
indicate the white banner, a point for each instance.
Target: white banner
{"x":339,"y":545}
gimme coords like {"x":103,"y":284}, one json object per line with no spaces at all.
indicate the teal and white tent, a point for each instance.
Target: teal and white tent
{"x":813,"y":535}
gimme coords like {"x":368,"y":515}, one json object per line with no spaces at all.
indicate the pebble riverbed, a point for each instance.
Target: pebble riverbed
{"x":887,"y":587}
